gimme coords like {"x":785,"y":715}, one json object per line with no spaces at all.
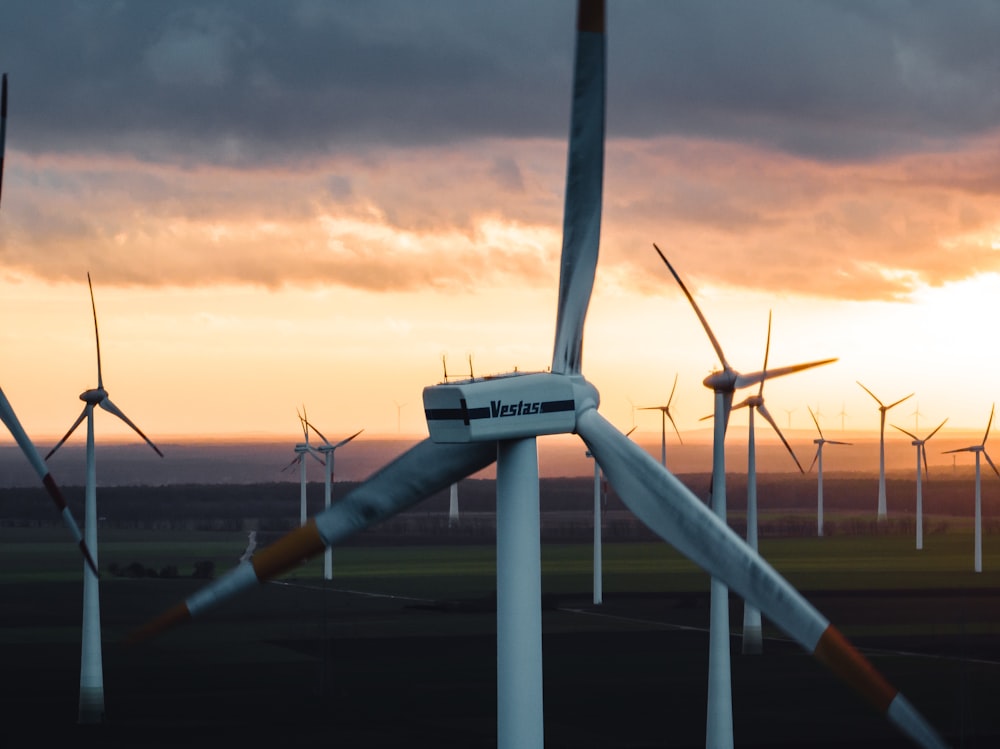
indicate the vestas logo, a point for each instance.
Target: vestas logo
{"x":499,"y":408}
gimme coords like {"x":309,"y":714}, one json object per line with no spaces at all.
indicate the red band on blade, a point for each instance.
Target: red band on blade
{"x":177,"y":615}
{"x":845,"y":661}
{"x":590,"y":16}
{"x":288,"y":551}
{"x":54,"y":491}
{"x":89,"y":559}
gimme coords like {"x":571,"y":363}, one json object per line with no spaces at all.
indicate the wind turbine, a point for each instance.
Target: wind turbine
{"x":979,"y":449}
{"x":818,"y":458}
{"x":474,"y":423}
{"x":327,"y":449}
{"x":753,"y":637}
{"x":302,"y":449}
{"x":921,"y":455}
{"x":723,"y":383}
{"x":664,"y":415}
{"x":789,"y":411}
{"x":882,"y":408}
{"x":399,"y":409}
{"x":842,"y":415}
{"x":599,"y":496}
{"x":91,"y":659}
{"x":7,"y":414}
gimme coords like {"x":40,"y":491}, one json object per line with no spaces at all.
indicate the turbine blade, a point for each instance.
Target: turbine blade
{"x":697,"y":310}
{"x":893,"y":405}
{"x":834,"y":442}
{"x":762,"y":410}
{"x":584,"y":181}
{"x":678,"y":431}
{"x":3,"y":128}
{"x":97,"y":336}
{"x":935,"y":430}
{"x":669,"y":508}
{"x":309,"y":425}
{"x":987,"y":456}
{"x":111,"y":408}
{"x":815,"y":421}
{"x":871,"y":394}
{"x":742,"y":404}
{"x":348,"y":439}
{"x":989,"y":424}
{"x":80,"y":418}
{"x":815,"y":458}
{"x":31,"y":453}
{"x":923,"y":453}
{"x":908,"y":434}
{"x":295,"y":460}
{"x":418,"y":473}
{"x":745,"y":380}
{"x":314,"y":454}
{"x":767,"y":351}
{"x":672,"y":390}
{"x":971,"y":449}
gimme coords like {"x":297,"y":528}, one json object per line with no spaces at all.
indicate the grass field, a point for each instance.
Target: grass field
{"x":399,"y":649}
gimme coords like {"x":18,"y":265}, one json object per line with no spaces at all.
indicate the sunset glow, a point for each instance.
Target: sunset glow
{"x":385,"y":210}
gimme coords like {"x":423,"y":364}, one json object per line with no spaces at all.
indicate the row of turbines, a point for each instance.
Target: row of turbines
{"x":465,"y":438}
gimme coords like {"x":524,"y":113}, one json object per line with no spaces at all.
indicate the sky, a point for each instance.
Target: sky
{"x":311,"y":203}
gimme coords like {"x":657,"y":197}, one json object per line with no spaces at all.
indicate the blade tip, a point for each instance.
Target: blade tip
{"x":171,"y":618}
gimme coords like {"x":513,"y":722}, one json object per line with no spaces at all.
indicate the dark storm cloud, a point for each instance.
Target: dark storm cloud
{"x":240,"y":82}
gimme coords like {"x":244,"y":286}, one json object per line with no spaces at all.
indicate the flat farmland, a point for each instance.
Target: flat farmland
{"x":400,"y":648}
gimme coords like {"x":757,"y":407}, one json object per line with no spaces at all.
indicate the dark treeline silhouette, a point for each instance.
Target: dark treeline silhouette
{"x":787,"y":503}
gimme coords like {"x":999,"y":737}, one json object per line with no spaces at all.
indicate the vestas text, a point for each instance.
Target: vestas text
{"x":499,"y":408}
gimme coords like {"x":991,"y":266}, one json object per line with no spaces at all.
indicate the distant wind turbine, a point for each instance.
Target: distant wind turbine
{"x":882,"y":408}
{"x":399,"y":409}
{"x":664,"y":415}
{"x":753,"y":639}
{"x":843,"y":415}
{"x":921,"y":455}
{"x":91,"y":660}
{"x":599,"y":499}
{"x":723,"y":383}
{"x":327,"y":450}
{"x":818,"y":458}
{"x":302,"y":449}
{"x":789,"y":411}
{"x":979,"y":449}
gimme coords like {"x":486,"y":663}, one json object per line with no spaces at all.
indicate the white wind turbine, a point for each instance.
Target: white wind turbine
{"x":753,"y":636}
{"x":91,"y":659}
{"x":723,"y":383}
{"x":818,"y":458}
{"x":599,"y":496}
{"x":921,"y":456}
{"x":303,"y":449}
{"x":882,"y":408}
{"x":7,"y":414}
{"x":327,"y":449}
{"x":664,"y":415}
{"x":474,"y":423}
{"x":979,"y":449}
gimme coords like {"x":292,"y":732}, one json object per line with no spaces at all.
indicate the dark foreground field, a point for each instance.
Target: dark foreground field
{"x":399,"y":650}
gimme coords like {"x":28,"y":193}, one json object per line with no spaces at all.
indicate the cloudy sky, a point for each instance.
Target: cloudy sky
{"x":312,"y":202}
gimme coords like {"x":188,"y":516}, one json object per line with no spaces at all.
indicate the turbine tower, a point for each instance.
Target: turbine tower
{"x":664,"y":415}
{"x":302,"y":449}
{"x":979,"y":449}
{"x":474,"y":423}
{"x":724,"y":384}
{"x":7,"y":414}
{"x":882,"y":408}
{"x":818,"y":458}
{"x":453,"y":505}
{"x":921,"y":455}
{"x":91,"y":659}
{"x":753,"y":636}
{"x":327,"y":449}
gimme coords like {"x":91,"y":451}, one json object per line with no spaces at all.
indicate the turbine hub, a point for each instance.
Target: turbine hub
{"x":723,"y":379}
{"x":93,"y":396}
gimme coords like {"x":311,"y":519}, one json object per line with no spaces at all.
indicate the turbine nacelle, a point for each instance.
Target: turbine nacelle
{"x":94,"y":396}
{"x":508,"y":406}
